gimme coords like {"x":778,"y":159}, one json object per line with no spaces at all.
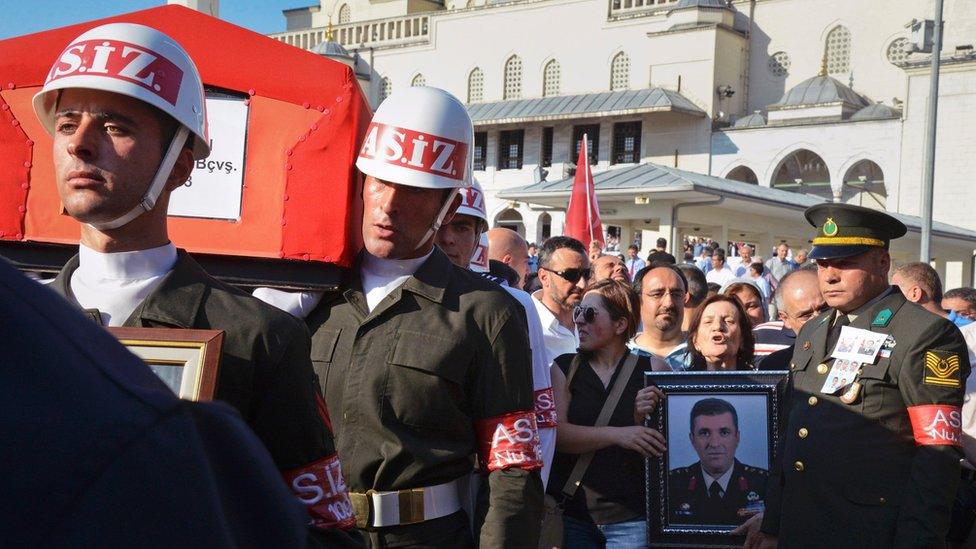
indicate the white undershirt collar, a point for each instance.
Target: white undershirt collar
{"x":117,"y":283}
{"x":382,"y":276}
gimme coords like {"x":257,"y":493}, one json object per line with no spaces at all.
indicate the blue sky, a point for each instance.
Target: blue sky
{"x":19,"y":17}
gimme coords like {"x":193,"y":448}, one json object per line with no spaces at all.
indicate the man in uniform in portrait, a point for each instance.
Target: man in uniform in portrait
{"x":718,"y":489}
{"x":875,"y":463}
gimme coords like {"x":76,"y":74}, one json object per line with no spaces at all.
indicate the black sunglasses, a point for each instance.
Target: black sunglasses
{"x":571,"y":275}
{"x":587,"y":313}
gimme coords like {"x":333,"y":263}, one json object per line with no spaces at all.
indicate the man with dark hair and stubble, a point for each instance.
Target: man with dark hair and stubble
{"x":662,"y":288}
{"x":564,"y":269}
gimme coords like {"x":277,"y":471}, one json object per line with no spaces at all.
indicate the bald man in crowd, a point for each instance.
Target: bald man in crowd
{"x":609,"y":266}
{"x":510,"y":248}
{"x":799,"y":299}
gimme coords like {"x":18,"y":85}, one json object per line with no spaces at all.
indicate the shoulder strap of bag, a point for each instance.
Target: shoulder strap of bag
{"x":583,"y":461}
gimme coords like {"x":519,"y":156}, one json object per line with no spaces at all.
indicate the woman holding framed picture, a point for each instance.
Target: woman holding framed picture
{"x":600,"y":448}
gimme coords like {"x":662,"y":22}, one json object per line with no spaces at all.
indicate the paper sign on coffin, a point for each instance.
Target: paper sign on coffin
{"x":281,"y":180}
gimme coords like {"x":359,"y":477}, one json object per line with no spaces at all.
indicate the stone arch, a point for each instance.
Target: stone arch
{"x":864,"y":185}
{"x":803,"y":171}
{"x":510,"y":218}
{"x":743,"y":173}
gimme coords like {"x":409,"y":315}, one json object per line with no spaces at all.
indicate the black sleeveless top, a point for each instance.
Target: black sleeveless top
{"x":612,"y":489}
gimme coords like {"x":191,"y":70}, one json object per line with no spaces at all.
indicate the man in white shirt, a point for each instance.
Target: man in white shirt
{"x":564,"y":269}
{"x":720,"y":273}
{"x":740,"y":265}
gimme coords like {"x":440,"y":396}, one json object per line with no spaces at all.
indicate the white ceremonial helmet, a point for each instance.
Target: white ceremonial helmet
{"x":479,"y":259}
{"x":473,"y":204}
{"x":142,"y":63}
{"x":420,"y":137}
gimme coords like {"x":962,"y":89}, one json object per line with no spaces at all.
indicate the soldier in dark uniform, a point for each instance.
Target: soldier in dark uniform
{"x":875,"y":463}
{"x":425,"y":364}
{"x":120,"y":149}
{"x":718,"y":489}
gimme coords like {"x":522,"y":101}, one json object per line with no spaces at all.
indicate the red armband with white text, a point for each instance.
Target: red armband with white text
{"x":545,"y":409}
{"x":936,"y":424}
{"x":322,"y":489}
{"x":510,"y":440}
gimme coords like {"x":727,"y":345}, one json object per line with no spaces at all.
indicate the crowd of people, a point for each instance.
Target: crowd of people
{"x":462,"y":387}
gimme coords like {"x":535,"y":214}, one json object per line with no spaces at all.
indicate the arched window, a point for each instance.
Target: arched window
{"x":344,"y":14}
{"x":476,"y":86}
{"x":551,"y":77}
{"x":743,"y":174}
{"x":513,"y":78}
{"x":511,"y":219}
{"x":543,"y":227}
{"x":620,"y":72}
{"x":779,"y":64}
{"x":898,"y":50}
{"x":864,"y":186}
{"x":418,"y":80}
{"x":838,"y":50}
{"x":386,"y":88}
{"x":803,"y":171}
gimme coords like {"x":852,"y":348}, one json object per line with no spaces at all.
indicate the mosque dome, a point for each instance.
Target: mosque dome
{"x":754,"y":120}
{"x":820,"y":90}
{"x":877,"y":111}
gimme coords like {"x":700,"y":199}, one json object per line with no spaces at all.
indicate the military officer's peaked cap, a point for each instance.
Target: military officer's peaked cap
{"x":844,"y":230}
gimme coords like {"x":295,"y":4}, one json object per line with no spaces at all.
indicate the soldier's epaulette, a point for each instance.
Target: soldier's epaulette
{"x":680,"y":471}
{"x":750,"y":469}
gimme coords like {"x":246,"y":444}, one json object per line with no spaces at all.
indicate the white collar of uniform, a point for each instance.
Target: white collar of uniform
{"x":134,"y":265}
{"x":392,"y":268}
{"x":723,"y":480}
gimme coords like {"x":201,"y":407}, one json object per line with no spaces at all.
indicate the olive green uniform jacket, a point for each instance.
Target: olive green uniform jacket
{"x":406,"y":383}
{"x":853,"y":475}
{"x":265,"y":372}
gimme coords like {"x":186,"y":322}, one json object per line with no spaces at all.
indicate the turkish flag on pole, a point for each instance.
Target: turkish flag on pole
{"x":583,"y":215}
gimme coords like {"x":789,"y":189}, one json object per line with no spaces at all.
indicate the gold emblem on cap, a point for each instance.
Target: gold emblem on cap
{"x":829,"y":227}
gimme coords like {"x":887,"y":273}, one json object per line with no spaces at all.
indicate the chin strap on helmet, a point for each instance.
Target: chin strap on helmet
{"x":148,"y":201}
{"x":436,"y":225}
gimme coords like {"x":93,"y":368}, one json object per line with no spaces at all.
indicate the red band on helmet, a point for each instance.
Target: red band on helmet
{"x":414,"y":150}
{"x":322,"y":489}
{"x":936,"y":424}
{"x":507,"y":441}
{"x":121,"y":61}
{"x":545,"y":409}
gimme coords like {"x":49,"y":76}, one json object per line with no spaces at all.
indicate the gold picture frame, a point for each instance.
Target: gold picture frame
{"x":187,"y":361}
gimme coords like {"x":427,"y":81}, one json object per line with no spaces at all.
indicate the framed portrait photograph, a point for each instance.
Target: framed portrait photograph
{"x":186,"y":360}
{"x":721,"y":429}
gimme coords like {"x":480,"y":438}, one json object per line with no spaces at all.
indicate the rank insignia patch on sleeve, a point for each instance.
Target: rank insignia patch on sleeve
{"x":941,"y":368}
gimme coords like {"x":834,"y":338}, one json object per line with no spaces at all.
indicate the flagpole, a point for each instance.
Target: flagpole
{"x":586,"y":184}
